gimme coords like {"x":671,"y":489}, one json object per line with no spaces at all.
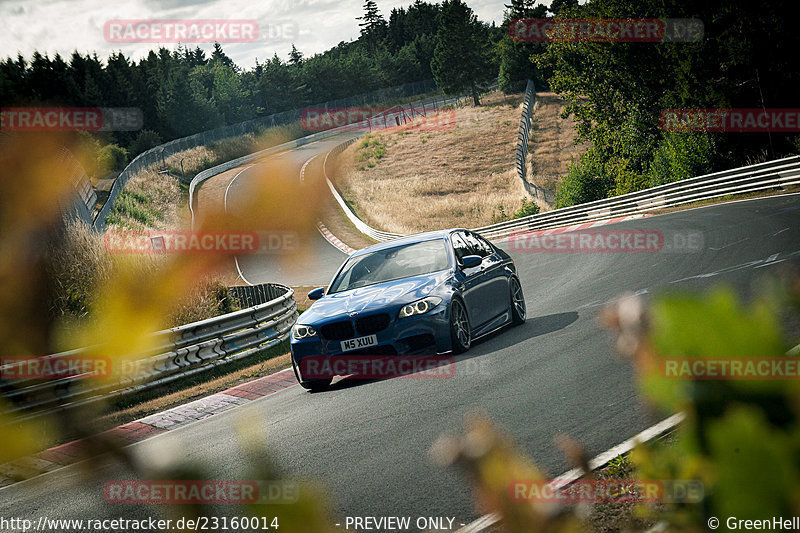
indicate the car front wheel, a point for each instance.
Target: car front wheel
{"x":460,"y":333}
{"x":518,"y":310}
{"x":314,"y":385}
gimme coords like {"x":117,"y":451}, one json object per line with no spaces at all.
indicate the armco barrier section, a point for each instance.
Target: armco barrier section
{"x":521,"y":150}
{"x":180,"y":352}
{"x":252,"y":295}
{"x":772,"y":175}
{"x":80,"y":205}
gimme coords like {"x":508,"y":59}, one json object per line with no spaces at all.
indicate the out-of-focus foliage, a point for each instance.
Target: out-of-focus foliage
{"x":131,"y":296}
{"x":741,"y":437}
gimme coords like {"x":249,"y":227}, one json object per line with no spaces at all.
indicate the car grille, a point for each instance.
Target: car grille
{"x":372,"y":324}
{"x":344,"y":329}
{"x":338,"y":331}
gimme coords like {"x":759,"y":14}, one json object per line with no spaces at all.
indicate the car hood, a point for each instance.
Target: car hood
{"x":382,"y":296}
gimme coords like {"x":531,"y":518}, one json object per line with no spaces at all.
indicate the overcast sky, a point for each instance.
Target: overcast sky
{"x":313,"y":25}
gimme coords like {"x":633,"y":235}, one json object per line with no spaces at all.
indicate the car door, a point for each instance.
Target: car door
{"x":497,"y":273}
{"x":494,"y":289}
{"x":471,"y":280}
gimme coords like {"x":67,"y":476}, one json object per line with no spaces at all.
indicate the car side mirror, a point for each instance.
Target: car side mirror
{"x":471,"y":261}
{"x":316,"y":294}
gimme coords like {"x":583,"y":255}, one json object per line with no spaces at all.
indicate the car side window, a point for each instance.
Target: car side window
{"x":476,"y":246}
{"x":486,"y":245}
{"x":460,"y":247}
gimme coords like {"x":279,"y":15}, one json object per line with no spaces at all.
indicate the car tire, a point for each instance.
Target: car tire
{"x":460,"y":333}
{"x":518,"y":308}
{"x":313,"y":385}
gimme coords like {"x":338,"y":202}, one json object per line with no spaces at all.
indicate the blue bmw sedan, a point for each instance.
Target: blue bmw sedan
{"x":429,"y":293}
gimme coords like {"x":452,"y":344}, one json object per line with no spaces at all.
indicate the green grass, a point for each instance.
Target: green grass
{"x":135,"y":206}
{"x":370,"y":151}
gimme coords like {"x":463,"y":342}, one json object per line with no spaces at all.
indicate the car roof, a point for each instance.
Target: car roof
{"x":408,"y":239}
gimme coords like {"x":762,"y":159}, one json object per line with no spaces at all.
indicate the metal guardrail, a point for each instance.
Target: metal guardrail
{"x":521,"y":150}
{"x":252,"y":295}
{"x":179,"y":352}
{"x":778,"y":174}
{"x":79,"y":205}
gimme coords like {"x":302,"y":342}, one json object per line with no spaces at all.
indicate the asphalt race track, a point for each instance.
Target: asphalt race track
{"x":324,"y":258}
{"x":367,"y":441}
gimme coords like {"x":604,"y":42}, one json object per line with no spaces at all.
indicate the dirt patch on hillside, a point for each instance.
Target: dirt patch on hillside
{"x":552,"y":142}
{"x":417,"y":179}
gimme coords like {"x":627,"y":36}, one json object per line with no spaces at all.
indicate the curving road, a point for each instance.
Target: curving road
{"x":367,"y":441}
{"x":321,"y":259}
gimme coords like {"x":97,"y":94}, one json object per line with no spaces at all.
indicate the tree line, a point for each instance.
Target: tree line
{"x":184,"y":90}
{"x":616,"y":90}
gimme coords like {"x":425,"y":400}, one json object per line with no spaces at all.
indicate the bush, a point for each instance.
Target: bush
{"x":528,"y":208}
{"x":679,"y":156}
{"x":112,"y":157}
{"x":626,"y":180}
{"x":144,"y":141}
{"x":586,"y":181}
{"x":208,"y":299}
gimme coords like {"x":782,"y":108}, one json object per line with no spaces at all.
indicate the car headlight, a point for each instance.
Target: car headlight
{"x":299,"y":331}
{"x":420,"y":307}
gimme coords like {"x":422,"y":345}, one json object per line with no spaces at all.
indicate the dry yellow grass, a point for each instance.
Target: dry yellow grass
{"x":551,"y":143}
{"x":436,"y":179}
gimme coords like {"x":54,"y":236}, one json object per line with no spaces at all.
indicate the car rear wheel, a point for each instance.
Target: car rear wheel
{"x":314,"y":385}
{"x":518,"y":309}
{"x":460,"y":333}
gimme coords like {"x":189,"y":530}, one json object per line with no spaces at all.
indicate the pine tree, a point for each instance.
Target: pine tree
{"x":461,"y":58}
{"x":373,"y":25}
{"x":295,"y":56}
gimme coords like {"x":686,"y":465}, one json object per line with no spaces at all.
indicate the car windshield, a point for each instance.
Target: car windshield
{"x":392,"y":263}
